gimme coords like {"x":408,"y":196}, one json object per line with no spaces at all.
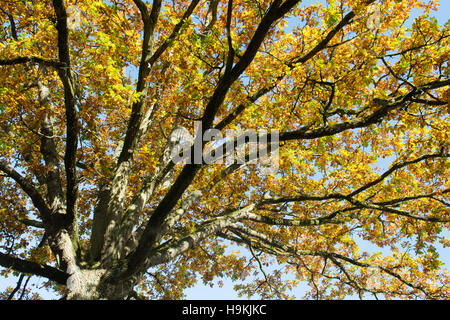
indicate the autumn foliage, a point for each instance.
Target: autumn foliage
{"x":91,"y":90}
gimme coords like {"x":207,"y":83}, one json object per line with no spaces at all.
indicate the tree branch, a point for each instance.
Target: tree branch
{"x":50,"y":155}
{"x":21,"y":60}
{"x":291,"y":222}
{"x":116,"y":196}
{"x":150,"y":21}
{"x":72,"y":126}
{"x":25,"y":266}
{"x":386,"y":105}
{"x":19,"y":284}
{"x":29,"y":189}
{"x":395,"y":167}
{"x":12,"y":24}
{"x":30,"y":222}
{"x":175,"y":32}
{"x":175,"y":247}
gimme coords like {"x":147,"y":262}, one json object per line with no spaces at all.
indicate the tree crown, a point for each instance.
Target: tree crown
{"x":92,"y":92}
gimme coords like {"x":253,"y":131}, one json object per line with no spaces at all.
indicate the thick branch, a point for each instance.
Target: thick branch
{"x":394,"y":202}
{"x":72,"y":127}
{"x":173,"y":248}
{"x":25,"y":266}
{"x":291,"y":222}
{"x":150,"y":21}
{"x":50,"y":155}
{"x":29,"y":189}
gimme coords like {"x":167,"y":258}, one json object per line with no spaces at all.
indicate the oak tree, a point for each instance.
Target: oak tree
{"x":91,"y":93}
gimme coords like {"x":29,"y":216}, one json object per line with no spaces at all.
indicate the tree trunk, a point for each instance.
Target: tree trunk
{"x":97,"y":284}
